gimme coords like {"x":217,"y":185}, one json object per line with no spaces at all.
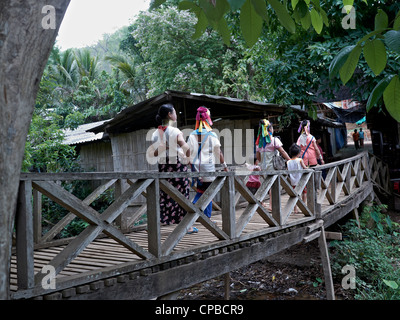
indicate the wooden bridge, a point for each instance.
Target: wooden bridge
{"x":110,"y":260}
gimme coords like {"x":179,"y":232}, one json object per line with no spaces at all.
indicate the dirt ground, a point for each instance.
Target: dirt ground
{"x":293,"y":274}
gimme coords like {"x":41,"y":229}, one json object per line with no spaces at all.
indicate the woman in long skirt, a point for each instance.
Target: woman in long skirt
{"x":171,"y":147}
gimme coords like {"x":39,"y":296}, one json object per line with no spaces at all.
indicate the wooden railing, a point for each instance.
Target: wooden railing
{"x":380,"y":174}
{"x":341,"y":177}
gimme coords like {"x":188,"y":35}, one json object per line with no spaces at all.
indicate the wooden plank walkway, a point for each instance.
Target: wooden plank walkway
{"x":347,"y":184}
{"x":106,"y":252}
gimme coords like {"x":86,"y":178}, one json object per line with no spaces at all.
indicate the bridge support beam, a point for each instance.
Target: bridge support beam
{"x":326,"y":265}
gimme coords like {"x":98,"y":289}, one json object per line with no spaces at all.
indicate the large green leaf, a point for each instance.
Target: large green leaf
{"x":306,"y":21}
{"x":339,"y":61}
{"x":188,"y":5}
{"x":324,"y":16}
{"x":294,"y":3}
{"x":348,"y":2}
{"x":396,"y":23}
{"x":381,"y":20}
{"x":261,"y":8}
{"x":377,"y":92}
{"x":391,"y":97}
{"x":236,"y":4}
{"x":201,"y":25}
{"x":215,"y":12}
{"x":375,"y":55}
{"x":251,"y":23}
{"x":283,"y":15}
{"x":392,"y":40}
{"x":223,"y":30}
{"x":202,"y":21}
{"x":347,"y":70}
{"x":316,"y":20}
{"x":390,"y":283}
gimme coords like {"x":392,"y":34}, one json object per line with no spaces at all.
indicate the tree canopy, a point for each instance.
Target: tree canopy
{"x":379,"y":43}
{"x":298,"y":52}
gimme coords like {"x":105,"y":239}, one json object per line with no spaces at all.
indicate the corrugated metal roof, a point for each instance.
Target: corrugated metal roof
{"x":81,"y":135}
{"x":142,"y":115}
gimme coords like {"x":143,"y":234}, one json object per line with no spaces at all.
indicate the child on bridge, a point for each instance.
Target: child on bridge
{"x":296,"y":163}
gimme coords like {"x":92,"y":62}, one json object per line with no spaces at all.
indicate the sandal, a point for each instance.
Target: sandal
{"x":195,"y":230}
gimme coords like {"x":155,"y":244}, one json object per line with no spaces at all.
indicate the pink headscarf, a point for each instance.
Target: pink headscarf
{"x":203,"y":119}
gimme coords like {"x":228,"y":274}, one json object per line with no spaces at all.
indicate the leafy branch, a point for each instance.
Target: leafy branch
{"x":375,"y":47}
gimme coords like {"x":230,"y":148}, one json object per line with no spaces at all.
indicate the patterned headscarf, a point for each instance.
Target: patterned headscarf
{"x":263,"y":136}
{"x":203,"y":119}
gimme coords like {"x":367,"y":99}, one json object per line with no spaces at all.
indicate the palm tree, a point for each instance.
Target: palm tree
{"x":135,"y":81}
{"x":66,"y":71}
{"x":87,"y":65}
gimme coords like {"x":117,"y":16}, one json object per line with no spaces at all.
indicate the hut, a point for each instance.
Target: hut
{"x":94,"y":149}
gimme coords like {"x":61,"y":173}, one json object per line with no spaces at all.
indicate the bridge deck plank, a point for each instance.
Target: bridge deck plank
{"x":106,"y":252}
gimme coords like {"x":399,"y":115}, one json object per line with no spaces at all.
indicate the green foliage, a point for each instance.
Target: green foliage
{"x":373,"y":250}
{"x":307,"y":14}
{"x":391,"y":97}
{"x":44,"y":151}
{"x":251,"y":23}
{"x":377,"y":57}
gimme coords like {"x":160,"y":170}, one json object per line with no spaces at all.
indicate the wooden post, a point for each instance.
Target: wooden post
{"x":153,"y":218}
{"x":227,"y":279}
{"x":334,"y":183}
{"x":347,"y":178}
{"x":312,"y":184}
{"x":120,"y":187}
{"x":228,"y":206}
{"x":37,"y":216}
{"x":24,"y":226}
{"x":356,"y":217}
{"x":326,"y":266}
{"x":275,"y":201}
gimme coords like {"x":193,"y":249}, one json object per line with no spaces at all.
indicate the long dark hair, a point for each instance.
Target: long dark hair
{"x":303,"y":124}
{"x":163,"y":112}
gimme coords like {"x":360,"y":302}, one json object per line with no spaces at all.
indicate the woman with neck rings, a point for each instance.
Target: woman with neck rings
{"x":266,"y":146}
{"x":205,"y":153}
{"x":308,"y":144}
{"x":171,"y":151}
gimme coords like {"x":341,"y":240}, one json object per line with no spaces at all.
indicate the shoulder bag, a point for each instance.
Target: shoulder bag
{"x":277,"y":160}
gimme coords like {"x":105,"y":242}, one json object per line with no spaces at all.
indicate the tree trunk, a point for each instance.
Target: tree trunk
{"x":27,"y":33}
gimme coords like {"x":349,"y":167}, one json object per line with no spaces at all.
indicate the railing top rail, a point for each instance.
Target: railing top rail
{"x":235,"y":171}
{"x":142,"y":175}
{"x":340,"y":162}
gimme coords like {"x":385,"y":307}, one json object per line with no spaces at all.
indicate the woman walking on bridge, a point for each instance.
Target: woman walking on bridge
{"x":170,"y":149}
{"x":266,"y":146}
{"x":205,"y":153}
{"x":308,"y":145}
